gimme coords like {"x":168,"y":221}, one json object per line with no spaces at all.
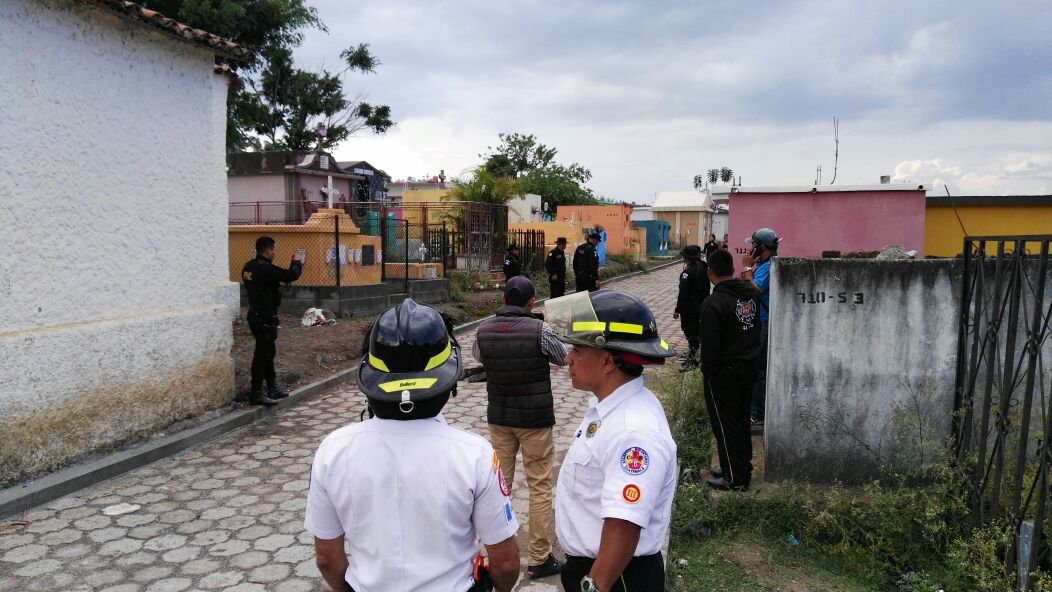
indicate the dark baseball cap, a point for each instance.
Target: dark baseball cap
{"x":596,"y":236}
{"x":518,"y":291}
{"x":561,"y":240}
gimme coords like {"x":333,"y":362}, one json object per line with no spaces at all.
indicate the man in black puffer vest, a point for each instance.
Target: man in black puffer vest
{"x":515,"y":348}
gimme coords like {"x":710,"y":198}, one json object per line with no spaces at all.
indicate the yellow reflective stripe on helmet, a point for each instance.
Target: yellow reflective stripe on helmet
{"x":408,"y":384}
{"x":589,"y":326}
{"x":626,"y":328}
{"x":664,"y":344}
{"x":439,"y":358}
{"x":377,"y":363}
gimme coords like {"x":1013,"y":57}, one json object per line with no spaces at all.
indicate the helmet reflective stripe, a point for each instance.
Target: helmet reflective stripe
{"x":408,"y":384}
{"x":664,"y":344}
{"x":439,"y":358}
{"x":377,"y":363}
{"x":626,"y":328}
{"x":613,"y":327}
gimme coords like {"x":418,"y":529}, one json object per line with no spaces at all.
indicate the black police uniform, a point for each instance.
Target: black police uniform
{"x":262,"y":279}
{"x":586,"y":267}
{"x":693,"y":289}
{"x":512,"y":266}
{"x":555,"y":265}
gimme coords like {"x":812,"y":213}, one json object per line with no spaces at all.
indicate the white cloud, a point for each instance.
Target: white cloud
{"x":647,"y":95}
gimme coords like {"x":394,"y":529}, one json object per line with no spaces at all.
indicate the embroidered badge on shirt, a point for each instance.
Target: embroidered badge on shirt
{"x":631,"y":493}
{"x":746,"y":311}
{"x":500,"y":479}
{"x":593,"y":428}
{"x":635,"y":460}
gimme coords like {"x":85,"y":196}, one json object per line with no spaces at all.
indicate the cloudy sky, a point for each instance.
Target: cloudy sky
{"x":647,"y":94}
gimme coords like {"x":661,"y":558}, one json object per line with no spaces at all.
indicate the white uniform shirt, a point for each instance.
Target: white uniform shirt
{"x":621,"y":464}
{"x":412,"y":498}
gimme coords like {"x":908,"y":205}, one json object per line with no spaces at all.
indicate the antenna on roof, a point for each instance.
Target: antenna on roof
{"x":836,"y":152}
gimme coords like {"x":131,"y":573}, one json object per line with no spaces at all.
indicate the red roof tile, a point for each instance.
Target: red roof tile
{"x":157,"y":20}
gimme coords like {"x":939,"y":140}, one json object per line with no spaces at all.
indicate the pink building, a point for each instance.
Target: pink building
{"x":843,"y":218}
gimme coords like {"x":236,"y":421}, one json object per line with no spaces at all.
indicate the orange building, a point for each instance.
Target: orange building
{"x":614,"y":219}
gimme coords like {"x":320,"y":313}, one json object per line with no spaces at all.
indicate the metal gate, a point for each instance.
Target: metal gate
{"x":1002,"y":418}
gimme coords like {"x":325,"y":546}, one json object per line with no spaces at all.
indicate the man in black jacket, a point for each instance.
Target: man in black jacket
{"x":555,"y":265}
{"x":730,"y":341}
{"x":516,"y":348}
{"x":512,"y":265}
{"x":693,"y":290}
{"x":586,"y":264}
{"x":262,"y":279}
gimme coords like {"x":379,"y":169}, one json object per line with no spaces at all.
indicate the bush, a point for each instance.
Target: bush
{"x":895,"y":533}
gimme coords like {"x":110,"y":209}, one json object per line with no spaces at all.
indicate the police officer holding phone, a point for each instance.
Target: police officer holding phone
{"x":262,"y":279}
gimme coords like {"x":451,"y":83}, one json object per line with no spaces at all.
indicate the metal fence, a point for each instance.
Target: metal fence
{"x":1002,"y":401}
{"x":335,"y":254}
{"x":476,"y":234}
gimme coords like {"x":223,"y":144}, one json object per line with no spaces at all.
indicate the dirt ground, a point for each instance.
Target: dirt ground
{"x":307,"y":354}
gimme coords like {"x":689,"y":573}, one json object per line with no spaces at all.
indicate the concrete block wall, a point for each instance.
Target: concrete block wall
{"x":861,"y":366}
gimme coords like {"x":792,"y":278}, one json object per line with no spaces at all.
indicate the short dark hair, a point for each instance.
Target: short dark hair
{"x":263,"y":243}
{"x":721,"y":263}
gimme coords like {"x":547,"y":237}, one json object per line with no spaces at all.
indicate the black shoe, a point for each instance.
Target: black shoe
{"x":756,"y":420}
{"x":550,"y":567}
{"x":717,"y":473}
{"x":722,"y":484}
{"x":258,"y":398}
{"x":276,"y":393}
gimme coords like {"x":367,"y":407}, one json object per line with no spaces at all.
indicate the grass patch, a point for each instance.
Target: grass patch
{"x":905,"y":533}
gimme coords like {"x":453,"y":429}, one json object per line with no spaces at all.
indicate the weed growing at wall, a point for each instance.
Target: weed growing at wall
{"x":909,"y":532}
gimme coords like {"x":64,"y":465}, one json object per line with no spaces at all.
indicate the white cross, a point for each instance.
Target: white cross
{"x":329,"y":192}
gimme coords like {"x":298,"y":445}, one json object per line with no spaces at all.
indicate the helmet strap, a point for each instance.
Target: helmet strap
{"x":406,"y":406}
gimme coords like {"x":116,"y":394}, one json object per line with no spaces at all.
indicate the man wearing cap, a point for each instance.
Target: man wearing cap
{"x":512,"y":266}
{"x":410,"y":496}
{"x":516,"y":348}
{"x":555,"y":265}
{"x":613,"y":500}
{"x":757,"y":269}
{"x":586,"y":264}
{"x":693,"y":289}
{"x":262,"y":279}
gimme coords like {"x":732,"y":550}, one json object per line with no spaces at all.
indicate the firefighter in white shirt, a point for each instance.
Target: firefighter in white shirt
{"x":613,"y":500}
{"x":409,"y":494}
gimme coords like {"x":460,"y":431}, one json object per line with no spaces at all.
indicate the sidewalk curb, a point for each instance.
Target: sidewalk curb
{"x":66,"y":481}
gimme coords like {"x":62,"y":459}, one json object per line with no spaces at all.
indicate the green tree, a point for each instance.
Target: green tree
{"x":278,"y":105}
{"x":523,"y":157}
{"x":726,"y":175}
{"x":485,"y":188}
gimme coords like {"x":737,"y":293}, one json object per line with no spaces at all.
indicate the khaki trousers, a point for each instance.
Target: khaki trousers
{"x":538,"y":459}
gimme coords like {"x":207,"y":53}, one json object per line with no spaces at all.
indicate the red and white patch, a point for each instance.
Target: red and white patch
{"x":631,"y":493}
{"x":500,"y":479}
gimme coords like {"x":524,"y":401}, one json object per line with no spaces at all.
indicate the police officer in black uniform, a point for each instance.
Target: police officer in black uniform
{"x":586,"y":264}
{"x":262,"y":279}
{"x":693,"y":289}
{"x":555,"y":265}
{"x":512,"y":265}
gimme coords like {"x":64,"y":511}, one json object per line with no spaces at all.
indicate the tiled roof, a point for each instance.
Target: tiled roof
{"x":157,"y":20}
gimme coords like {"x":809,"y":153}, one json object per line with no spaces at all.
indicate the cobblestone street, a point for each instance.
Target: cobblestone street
{"x":228,"y":514}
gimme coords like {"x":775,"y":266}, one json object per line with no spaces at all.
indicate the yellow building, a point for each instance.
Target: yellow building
{"x":983,"y":216}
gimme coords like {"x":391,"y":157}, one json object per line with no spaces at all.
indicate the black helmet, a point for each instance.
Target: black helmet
{"x":607,"y":319}
{"x":410,"y":364}
{"x":691,"y":252}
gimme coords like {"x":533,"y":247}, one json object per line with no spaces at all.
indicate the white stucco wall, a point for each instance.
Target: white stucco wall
{"x":115,"y":304}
